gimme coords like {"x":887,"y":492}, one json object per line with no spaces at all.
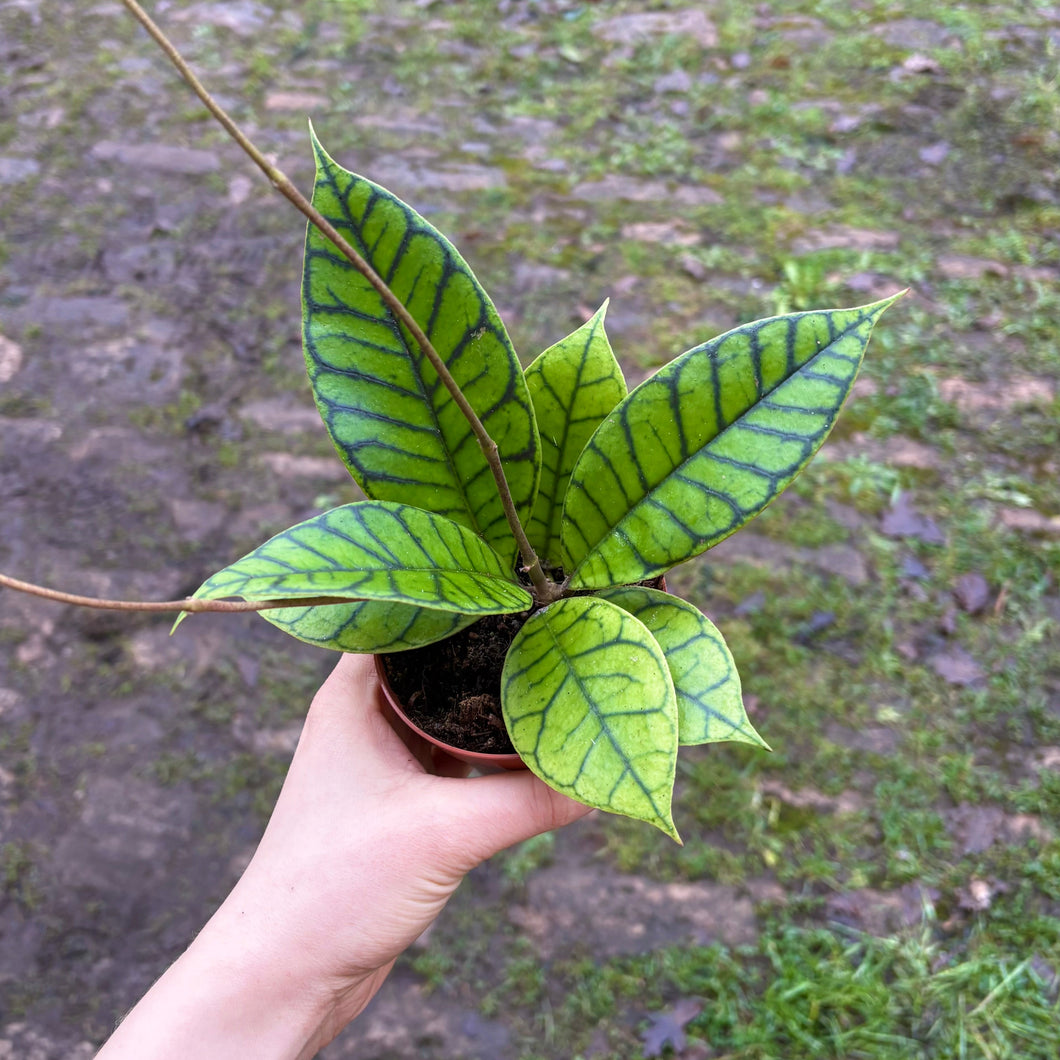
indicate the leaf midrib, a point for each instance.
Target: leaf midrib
{"x":555,"y":502}
{"x":400,"y":332}
{"x":628,"y":767}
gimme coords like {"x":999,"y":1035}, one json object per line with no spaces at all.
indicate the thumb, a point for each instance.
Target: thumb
{"x":504,"y":809}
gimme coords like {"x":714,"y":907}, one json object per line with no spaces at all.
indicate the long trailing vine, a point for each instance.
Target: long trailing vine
{"x":544,"y":590}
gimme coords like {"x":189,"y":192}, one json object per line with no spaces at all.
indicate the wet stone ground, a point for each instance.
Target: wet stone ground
{"x":896,"y":616}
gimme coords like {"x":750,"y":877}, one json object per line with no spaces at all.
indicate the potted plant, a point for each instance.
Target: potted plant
{"x":548,"y":494}
{"x":531,"y":513}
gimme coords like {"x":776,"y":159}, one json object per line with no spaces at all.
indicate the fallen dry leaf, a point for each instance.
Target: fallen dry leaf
{"x":957,"y":667}
{"x":882,"y":913}
{"x":964,"y":267}
{"x":1028,"y":521}
{"x":972,"y":592}
{"x":667,"y":1028}
{"x":903,"y":520}
{"x":298,"y":101}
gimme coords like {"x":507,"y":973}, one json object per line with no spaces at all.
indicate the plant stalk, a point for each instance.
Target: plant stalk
{"x":531,"y":563}
{"x":190,"y":604}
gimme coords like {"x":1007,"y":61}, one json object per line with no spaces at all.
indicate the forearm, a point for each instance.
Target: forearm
{"x":234,"y":993}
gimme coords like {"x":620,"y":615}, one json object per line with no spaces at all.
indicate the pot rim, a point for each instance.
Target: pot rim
{"x":482,"y":760}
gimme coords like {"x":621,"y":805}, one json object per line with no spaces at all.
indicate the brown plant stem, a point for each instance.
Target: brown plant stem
{"x":190,"y":604}
{"x":531,"y":563}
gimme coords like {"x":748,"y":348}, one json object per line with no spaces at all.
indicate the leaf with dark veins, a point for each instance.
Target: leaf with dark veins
{"x":590,"y":706}
{"x":706,"y":443}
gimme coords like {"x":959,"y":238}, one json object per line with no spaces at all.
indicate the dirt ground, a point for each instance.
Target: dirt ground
{"x":688,"y":162}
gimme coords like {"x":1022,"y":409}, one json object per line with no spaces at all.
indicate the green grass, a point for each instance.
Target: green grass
{"x":805,"y":991}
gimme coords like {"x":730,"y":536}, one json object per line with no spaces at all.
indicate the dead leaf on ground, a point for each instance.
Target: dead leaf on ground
{"x":693,"y":267}
{"x":977,"y":828}
{"x":672,"y":233}
{"x":903,"y":520}
{"x":667,"y":1028}
{"x":895,"y":452}
{"x":1028,"y":521}
{"x":934,"y":154}
{"x":972,"y":592}
{"x":1046,"y":758}
{"x":957,"y":667}
{"x":812,"y":799}
{"x":299,"y":101}
{"x":845,"y":237}
{"x":10,"y":359}
{"x":882,"y":913}
{"x":691,"y":24}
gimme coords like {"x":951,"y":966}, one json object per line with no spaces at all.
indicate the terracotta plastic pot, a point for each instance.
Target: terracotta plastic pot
{"x":484,"y":762}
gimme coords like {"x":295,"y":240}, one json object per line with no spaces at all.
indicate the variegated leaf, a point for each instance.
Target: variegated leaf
{"x":574,"y":385}
{"x":707,"y":442}
{"x":589,"y":705}
{"x":392,"y":420}
{"x":367,"y":625}
{"x":709,"y":699}
{"x":375,"y":550}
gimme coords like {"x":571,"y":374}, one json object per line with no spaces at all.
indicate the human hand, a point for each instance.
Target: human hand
{"x":371,"y":834}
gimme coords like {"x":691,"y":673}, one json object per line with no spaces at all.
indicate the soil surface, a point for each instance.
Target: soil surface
{"x":895,"y":617}
{"x":451,"y":689}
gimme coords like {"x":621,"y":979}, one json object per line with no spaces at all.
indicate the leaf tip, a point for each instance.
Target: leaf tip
{"x":749,"y":734}
{"x":323,"y":159}
{"x":670,"y":829}
{"x":758,"y":741}
{"x":876,"y":309}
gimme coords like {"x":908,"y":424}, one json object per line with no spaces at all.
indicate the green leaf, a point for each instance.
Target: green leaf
{"x":709,"y":700}
{"x":368,"y":625}
{"x":392,"y":420}
{"x":375,"y":550}
{"x":706,"y":443}
{"x":589,"y":705}
{"x":574,"y":385}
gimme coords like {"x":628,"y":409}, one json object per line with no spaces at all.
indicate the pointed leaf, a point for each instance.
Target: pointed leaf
{"x":574,"y":385}
{"x":709,"y":700}
{"x":391,"y":419}
{"x":589,"y":705}
{"x":375,"y":550}
{"x":707,"y":442}
{"x":367,"y":625}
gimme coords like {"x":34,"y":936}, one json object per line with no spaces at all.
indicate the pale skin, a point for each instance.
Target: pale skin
{"x":370,"y":836}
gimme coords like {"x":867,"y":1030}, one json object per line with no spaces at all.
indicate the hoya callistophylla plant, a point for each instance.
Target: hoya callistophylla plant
{"x":586,"y":492}
{"x":606,"y":678}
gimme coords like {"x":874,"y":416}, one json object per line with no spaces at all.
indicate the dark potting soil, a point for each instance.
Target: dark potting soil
{"x":452,"y":689}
